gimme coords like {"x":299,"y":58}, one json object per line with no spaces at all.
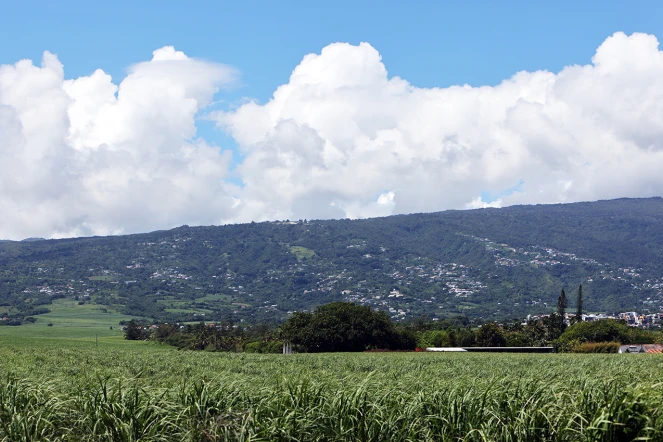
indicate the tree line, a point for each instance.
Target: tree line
{"x":348,"y":327}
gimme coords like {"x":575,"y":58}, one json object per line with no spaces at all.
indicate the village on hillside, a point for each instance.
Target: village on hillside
{"x":405,"y":287}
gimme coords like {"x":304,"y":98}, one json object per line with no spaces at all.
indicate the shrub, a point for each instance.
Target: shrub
{"x":517,"y":339}
{"x":264,"y":347}
{"x":604,"y":330}
{"x":639,"y":336}
{"x":434,"y":338}
{"x":404,"y":340}
{"x":596,"y":347}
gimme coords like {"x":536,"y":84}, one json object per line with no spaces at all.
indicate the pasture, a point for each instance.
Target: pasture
{"x":71,"y":325}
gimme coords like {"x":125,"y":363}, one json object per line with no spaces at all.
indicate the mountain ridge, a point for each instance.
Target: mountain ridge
{"x":483,"y":263}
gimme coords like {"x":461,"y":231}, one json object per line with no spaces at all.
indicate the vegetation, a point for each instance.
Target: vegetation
{"x":348,"y":327}
{"x":607,"y":330}
{"x":344,"y":326}
{"x":596,"y":347}
{"x":490,"y":335}
{"x":133,"y":332}
{"x":222,"y":337}
{"x":61,"y":383}
{"x":562,"y":304}
{"x":578,"y":316}
{"x":85,"y":394}
{"x":477,"y":263}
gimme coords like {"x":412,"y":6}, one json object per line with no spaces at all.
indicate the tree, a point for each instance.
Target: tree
{"x":465,"y":337}
{"x":536,"y":333}
{"x":297,"y":329}
{"x":554,"y":326}
{"x":133,"y":332}
{"x":517,"y":339}
{"x":561,"y":304}
{"x":490,"y":335}
{"x":341,"y":326}
{"x":436,"y":338}
{"x":579,"y":305}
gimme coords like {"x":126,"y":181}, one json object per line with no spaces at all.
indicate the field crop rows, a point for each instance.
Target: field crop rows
{"x":152,"y":393}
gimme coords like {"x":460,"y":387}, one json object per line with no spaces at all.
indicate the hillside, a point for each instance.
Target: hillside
{"x":489,"y":263}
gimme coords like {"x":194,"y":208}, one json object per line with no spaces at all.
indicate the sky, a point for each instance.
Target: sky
{"x":128,"y":117}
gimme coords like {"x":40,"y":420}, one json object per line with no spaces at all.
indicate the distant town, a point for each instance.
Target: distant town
{"x":632,"y":319}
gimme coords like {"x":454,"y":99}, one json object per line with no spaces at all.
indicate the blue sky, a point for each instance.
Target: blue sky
{"x":348,"y":149}
{"x":430,"y":43}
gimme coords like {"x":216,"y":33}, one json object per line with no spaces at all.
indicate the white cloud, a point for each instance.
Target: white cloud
{"x":340,"y":139}
{"x":479,"y":203}
{"x":340,"y":131}
{"x":86,"y":156}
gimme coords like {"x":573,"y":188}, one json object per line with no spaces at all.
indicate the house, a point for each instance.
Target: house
{"x":641,"y":348}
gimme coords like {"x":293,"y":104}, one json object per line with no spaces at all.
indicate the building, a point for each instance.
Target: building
{"x":641,"y":348}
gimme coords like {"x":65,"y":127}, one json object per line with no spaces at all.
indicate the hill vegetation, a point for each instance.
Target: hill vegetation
{"x":487,"y":264}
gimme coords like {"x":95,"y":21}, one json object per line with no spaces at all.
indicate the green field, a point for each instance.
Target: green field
{"x":224,"y":299}
{"x":173,"y":305}
{"x":71,"y":325}
{"x":189,"y":310}
{"x":103,"y":278}
{"x":61,"y":383}
{"x":146,"y":391}
{"x":302,"y":252}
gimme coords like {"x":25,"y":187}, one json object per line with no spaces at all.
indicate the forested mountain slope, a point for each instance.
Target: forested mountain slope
{"x":488,"y":263}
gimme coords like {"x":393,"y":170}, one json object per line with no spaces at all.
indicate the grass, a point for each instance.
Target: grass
{"x":464,"y":305}
{"x":103,"y":278}
{"x":177,"y":303}
{"x":152,"y":392}
{"x":302,"y":252}
{"x":179,"y":306}
{"x":72,"y":325}
{"x":225,"y":299}
{"x":189,"y":310}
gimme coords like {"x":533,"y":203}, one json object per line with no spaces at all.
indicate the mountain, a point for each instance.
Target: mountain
{"x":487,"y":263}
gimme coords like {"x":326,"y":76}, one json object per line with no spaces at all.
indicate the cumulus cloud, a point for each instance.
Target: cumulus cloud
{"x":341,"y":139}
{"x":88,"y":157}
{"x":345,"y":138}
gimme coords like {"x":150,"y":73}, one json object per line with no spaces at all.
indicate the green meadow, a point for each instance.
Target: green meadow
{"x":302,"y":252}
{"x":71,"y":325}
